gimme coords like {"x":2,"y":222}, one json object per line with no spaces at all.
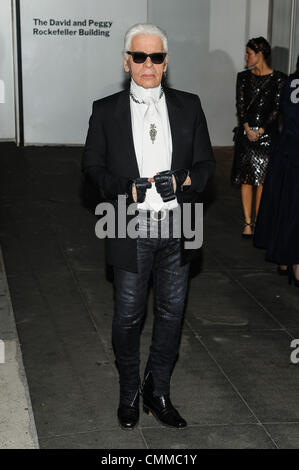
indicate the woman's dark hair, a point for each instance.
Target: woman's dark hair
{"x":260,"y":44}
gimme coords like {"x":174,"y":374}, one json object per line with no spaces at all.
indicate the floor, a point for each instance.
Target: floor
{"x":234,"y":381}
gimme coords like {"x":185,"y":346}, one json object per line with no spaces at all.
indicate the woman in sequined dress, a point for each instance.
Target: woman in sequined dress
{"x":258,"y":106}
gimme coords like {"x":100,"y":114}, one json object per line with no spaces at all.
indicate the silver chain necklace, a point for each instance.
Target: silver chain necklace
{"x":143,"y":102}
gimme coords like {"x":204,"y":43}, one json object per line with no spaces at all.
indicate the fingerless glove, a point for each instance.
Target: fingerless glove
{"x":142,"y":185}
{"x":164,"y":183}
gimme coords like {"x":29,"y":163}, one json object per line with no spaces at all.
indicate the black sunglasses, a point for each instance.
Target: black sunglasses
{"x":140,"y":57}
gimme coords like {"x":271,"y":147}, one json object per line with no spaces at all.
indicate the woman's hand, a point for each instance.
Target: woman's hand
{"x":253,"y":135}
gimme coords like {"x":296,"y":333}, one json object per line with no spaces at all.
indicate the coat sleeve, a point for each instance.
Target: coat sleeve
{"x":94,"y":159}
{"x":203,"y":162}
{"x":276,"y":104}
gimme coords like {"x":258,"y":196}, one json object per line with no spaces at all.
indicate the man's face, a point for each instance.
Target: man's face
{"x":147,"y":75}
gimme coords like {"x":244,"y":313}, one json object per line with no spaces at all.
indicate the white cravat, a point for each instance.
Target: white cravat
{"x":153,"y":150}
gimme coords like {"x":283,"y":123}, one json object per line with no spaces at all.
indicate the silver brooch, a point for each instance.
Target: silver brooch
{"x":153,"y":132}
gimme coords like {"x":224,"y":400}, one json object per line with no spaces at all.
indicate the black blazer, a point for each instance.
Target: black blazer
{"x":109,"y":159}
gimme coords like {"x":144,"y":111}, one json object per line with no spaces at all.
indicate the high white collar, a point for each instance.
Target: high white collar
{"x":144,"y":94}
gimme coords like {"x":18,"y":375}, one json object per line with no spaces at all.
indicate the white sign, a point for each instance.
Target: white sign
{"x":71,"y":56}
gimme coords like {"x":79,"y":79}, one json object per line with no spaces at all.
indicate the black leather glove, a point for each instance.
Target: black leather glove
{"x":164,"y":183}
{"x":141,"y":184}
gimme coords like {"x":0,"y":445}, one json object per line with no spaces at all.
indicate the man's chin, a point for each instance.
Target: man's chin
{"x":150,"y":83}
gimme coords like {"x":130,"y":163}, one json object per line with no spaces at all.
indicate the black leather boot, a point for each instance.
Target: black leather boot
{"x":160,"y":407}
{"x":128,"y":415}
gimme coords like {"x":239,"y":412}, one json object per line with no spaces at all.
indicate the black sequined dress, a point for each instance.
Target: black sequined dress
{"x":251,"y":158}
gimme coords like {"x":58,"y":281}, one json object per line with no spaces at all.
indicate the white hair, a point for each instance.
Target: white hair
{"x":144,"y":28}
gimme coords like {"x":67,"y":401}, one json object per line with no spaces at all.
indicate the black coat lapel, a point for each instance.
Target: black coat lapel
{"x":175,"y":121}
{"x":126,"y":143}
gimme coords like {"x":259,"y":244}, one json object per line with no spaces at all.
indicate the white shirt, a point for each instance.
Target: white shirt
{"x":137,"y":115}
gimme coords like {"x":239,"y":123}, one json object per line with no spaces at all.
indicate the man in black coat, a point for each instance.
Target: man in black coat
{"x":150,"y":146}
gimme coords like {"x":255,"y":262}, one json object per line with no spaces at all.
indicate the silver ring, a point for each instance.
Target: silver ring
{"x":163,"y":213}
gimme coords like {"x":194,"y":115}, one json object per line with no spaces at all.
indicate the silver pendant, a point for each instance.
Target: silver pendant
{"x":153,"y":132}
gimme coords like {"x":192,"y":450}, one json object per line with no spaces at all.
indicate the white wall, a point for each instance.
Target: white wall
{"x":281,"y":27}
{"x":63,"y":75}
{"x":7,"y":105}
{"x":258,"y":18}
{"x":207,"y":41}
{"x":227,"y":41}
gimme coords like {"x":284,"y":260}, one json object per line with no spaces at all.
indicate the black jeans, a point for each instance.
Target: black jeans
{"x":162,"y":257}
